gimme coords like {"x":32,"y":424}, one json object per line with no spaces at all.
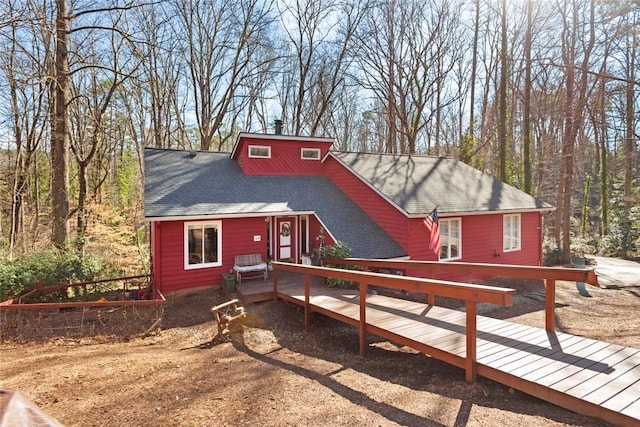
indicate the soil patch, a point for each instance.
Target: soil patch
{"x":276,"y":374}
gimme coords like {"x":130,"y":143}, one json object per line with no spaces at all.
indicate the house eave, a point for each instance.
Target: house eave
{"x":368,"y":184}
{"x":225,"y":215}
{"x":276,"y":137}
{"x":545,"y":210}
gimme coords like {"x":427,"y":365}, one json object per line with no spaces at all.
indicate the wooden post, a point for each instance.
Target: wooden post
{"x":550,"y":305}
{"x":307,"y":310}
{"x":275,"y":284}
{"x":363,"y":318}
{"x":471,"y":370}
{"x":431,"y":299}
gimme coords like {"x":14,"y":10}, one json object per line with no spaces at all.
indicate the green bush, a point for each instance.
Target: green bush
{"x":623,"y":239}
{"x":48,"y":267}
{"x":339,"y":250}
{"x":552,"y":254}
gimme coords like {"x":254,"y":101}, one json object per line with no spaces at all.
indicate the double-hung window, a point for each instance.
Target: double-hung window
{"x":450,"y":238}
{"x":511,"y":233}
{"x":203,"y":244}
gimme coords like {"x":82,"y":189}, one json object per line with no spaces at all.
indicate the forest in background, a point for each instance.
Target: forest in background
{"x":542,"y":94}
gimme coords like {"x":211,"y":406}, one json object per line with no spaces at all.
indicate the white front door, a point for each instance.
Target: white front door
{"x":286,"y":238}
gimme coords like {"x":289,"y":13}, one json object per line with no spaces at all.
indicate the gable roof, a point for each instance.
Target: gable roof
{"x":181,"y":184}
{"x":417,"y":184}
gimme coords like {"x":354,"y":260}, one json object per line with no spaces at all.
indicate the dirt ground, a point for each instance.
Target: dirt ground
{"x":274,"y":374}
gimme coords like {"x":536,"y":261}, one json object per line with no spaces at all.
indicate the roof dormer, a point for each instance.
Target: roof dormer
{"x":275,"y":154}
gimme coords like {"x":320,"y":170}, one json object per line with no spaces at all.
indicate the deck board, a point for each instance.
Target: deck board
{"x":632,"y":410}
{"x":615,"y":355}
{"x":581,"y":374}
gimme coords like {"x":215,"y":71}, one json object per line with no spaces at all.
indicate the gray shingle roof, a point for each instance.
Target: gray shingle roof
{"x":179,"y":185}
{"x":417,"y":184}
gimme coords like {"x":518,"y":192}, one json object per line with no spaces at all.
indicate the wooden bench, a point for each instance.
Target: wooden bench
{"x":250,"y":266}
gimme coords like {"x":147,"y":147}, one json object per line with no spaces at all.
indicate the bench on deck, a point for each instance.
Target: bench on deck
{"x":249,"y":266}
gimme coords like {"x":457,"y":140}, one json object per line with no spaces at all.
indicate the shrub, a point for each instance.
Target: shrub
{"x":49,"y":267}
{"x":552,"y":254}
{"x":339,"y":250}
{"x":623,"y":239}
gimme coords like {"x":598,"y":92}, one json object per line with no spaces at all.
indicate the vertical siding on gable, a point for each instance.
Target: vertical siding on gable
{"x":237,"y":238}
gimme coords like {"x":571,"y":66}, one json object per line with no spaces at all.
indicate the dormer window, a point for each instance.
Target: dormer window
{"x":260,"y":151}
{"x":310,"y":154}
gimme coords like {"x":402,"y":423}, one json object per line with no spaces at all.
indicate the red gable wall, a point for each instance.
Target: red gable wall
{"x":379,"y":209}
{"x":286,"y":156}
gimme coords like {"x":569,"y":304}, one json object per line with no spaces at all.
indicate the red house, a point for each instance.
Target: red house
{"x":283,"y":196}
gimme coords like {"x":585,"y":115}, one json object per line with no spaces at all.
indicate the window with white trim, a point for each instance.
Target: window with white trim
{"x":202,"y":244}
{"x":511,"y":233}
{"x":310,"y":153}
{"x":450,"y":238}
{"x":260,"y":151}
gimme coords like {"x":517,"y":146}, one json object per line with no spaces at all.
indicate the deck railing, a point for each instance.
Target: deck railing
{"x":549,"y":274}
{"x":471,"y":294}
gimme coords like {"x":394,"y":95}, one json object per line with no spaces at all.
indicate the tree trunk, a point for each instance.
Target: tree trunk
{"x":60,"y":131}
{"x":575,"y":104}
{"x":474,"y":67}
{"x":82,"y":205}
{"x":630,"y":139}
{"x":526,"y":108}
{"x":502,"y":96}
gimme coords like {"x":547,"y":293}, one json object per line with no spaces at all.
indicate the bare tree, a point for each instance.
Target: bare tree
{"x":24,"y":61}
{"x":406,"y":55}
{"x":577,"y":87}
{"x":93,"y":92}
{"x":631,"y":62}
{"x":319,"y":34}
{"x":223,"y":40}
{"x":155,"y":101}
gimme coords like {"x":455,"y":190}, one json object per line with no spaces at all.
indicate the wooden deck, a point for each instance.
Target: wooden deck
{"x":586,"y":376}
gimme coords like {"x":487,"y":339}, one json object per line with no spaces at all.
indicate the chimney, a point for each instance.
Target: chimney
{"x":278,"y":125}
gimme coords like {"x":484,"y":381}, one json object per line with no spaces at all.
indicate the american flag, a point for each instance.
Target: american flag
{"x":431,"y":223}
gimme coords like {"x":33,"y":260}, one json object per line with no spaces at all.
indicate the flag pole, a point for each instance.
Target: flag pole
{"x":422,"y":219}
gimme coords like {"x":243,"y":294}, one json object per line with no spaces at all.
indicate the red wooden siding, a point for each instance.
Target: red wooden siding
{"x":285,"y":157}
{"x":482,"y":237}
{"x":418,"y":246}
{"x":237,"y":238}
{"x":384,"y":214}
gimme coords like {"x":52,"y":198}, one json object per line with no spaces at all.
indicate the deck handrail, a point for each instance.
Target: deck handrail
{"x":520,"y":271}
{"x":470,"y":293}
{"x":548,"y":274}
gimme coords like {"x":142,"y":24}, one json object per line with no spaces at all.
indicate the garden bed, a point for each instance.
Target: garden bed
{"x":122,"y":307}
